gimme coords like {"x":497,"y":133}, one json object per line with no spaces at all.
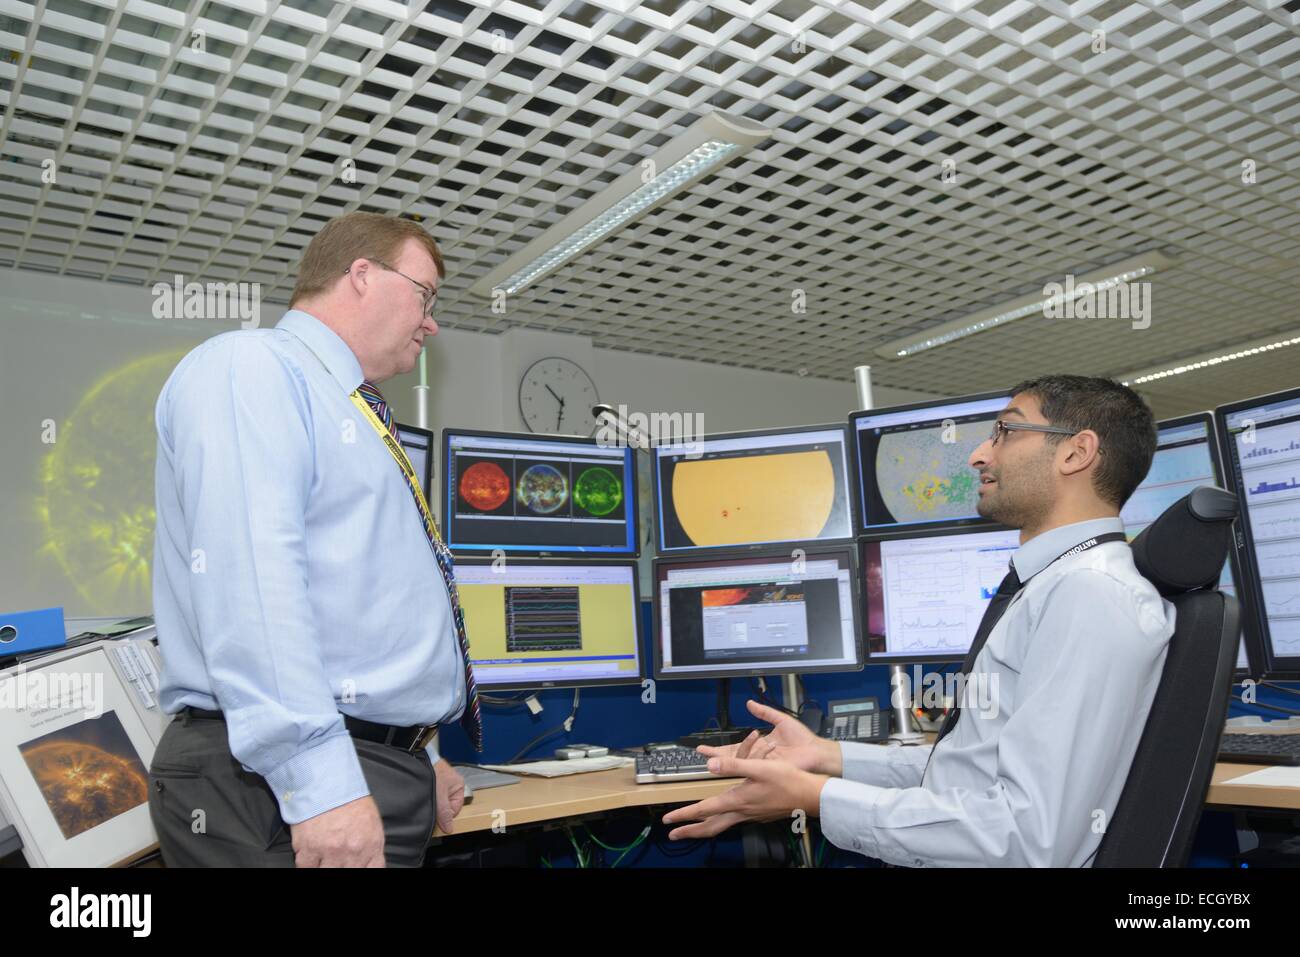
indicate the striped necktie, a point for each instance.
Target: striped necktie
{"x":472,"y":719}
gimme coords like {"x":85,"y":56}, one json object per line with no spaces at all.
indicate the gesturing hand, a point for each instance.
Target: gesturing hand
{"x":789,"y":740}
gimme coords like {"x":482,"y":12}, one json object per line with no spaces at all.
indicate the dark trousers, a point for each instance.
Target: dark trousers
{"x":210,"y":812}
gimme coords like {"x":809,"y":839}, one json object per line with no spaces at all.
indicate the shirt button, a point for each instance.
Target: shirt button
{"x":288,"y":795}
{"x":857,"y":845}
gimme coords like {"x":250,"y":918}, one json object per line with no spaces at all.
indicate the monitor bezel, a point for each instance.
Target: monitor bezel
{"x":752,"y":547}
{"x":898,"y":535}
{"x":433,"y":449}
{"x":811,"y":550}
{"x":637,"y":679}
{"x":1255,"y":619}
{"x":525,"y":551}
{"x":860,"y":491}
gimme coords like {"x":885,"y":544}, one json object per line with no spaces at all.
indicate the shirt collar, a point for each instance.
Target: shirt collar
{"x":1041,"y":550}
{"x":326,"y":345}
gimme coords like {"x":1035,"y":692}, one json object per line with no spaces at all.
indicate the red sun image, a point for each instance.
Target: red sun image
{"x":717,"y":597}
{"x":485,"y":486}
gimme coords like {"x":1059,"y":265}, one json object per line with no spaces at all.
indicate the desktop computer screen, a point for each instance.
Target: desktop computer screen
{"x":925,"y":591}
{"x":913,"y":461}
{"x":1187,"y":456}
{"x":753,"y":489}
{"x":535,"y":494}
{"x":1261,"y":443}
{"x":554,"y":625}
{"x":787,"y":612}
{"x":417,"y":443}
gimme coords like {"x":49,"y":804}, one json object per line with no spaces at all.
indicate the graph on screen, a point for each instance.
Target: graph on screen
{"x":932,"y":590}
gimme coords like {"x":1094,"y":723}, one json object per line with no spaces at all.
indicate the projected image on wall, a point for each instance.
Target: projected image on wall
{"x":95,"y":503}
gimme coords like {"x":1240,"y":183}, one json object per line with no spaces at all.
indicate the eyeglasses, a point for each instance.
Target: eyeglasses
{"x":1001,"y":428}
{"x":430,"y":295}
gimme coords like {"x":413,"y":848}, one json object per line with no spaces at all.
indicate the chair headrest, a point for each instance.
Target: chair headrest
{"x":1185,"y":548}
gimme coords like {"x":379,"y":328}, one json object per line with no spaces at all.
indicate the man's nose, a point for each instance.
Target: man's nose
{"x":430,"y":326}
{"x":980,"y":457}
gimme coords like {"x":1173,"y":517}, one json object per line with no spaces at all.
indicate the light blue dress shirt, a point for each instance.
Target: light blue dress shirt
{"x":1033,"y":771}
{"x":292,"y":578}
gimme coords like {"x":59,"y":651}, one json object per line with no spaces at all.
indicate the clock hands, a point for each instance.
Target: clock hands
{"x":560,"y":417}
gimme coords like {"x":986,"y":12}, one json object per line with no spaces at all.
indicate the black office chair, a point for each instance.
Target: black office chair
{"x":1182,"y":553}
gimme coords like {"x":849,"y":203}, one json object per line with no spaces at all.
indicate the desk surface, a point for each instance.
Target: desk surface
{"x":1248,"y":795}
{"x":544,"y":799}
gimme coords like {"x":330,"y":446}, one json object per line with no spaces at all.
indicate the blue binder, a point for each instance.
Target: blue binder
{"x":24,"y":631}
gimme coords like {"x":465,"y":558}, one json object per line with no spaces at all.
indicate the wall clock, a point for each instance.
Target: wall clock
{"x":556,"y":396}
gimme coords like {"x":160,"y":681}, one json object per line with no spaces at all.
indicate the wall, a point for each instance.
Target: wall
{"x":81,"y":364}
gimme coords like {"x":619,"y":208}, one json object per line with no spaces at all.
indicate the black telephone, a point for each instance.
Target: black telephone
{"x":852,"y":719}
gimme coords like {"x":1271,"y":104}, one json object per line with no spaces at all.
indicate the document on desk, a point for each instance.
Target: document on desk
{"x":1279,"y":776}
{"x":558,"y":769}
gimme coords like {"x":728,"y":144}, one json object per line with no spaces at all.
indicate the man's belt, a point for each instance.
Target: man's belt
{"x":410,"y":740}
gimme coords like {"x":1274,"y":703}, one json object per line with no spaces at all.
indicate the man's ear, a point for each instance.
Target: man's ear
{"x":358,"y":274}
{"x":1082,"y":449}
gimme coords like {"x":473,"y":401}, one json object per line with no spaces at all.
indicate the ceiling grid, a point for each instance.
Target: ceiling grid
{"x":491,"y":120}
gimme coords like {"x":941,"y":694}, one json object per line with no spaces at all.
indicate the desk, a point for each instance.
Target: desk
{"x":533,"y":800}
{"x":1248,"y":795}
{"x":546,"y":799}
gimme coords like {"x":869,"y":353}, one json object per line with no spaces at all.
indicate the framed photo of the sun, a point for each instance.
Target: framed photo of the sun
{"x":538,"y":495}
{"x":77,"y":734}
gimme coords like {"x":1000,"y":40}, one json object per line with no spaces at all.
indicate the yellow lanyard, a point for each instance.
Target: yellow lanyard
{"x":399,"y":455}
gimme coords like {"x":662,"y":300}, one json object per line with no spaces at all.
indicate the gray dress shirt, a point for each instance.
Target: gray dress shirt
{"x":1051,"y":717}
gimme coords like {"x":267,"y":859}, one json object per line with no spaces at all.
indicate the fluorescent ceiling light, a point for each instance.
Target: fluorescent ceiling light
{"x":1205,"y":361}
{"x":711,"y":141}
{"x":1128,"y":270}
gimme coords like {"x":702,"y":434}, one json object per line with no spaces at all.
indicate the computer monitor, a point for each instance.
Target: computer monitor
{"x":418,"y":445}
{"x":1260,"y":438}
{"x":913,"y":461}
{"x":557,"y":624}
{"x":753,"y":490}
{"x":924,"y":591}
{"x":781,"y":612}
{"x":538,"y":495}
{"x":1187,"y":456}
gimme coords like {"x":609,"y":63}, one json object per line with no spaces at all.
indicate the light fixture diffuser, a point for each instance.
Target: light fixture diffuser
{"x":711,"y":141}
{"x":1099,"y":280}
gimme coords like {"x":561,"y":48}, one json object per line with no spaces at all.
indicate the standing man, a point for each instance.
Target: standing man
{"x":1071,"y":650}
{"x":306,"y":609}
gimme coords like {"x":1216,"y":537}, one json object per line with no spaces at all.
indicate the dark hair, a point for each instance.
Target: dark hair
{"x":1117,"y":414}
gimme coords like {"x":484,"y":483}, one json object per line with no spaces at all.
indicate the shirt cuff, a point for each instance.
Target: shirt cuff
{"x":318,"y":780}
{"x":432,"y":750}
{"x":882,"y":765}
{"x":848,"y":815}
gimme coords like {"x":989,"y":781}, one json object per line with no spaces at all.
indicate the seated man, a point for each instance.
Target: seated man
{"x":1071,"y":650}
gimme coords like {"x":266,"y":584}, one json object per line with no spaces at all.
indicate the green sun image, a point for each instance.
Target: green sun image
{"x":96,"y":500}
{"x":598,"y":491}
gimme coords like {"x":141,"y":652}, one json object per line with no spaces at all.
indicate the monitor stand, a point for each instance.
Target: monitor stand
{"x":725,"y":733}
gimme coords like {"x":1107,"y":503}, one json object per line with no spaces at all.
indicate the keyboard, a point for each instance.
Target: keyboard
{"x":1260,"y":748}
{"x":673,"y":764}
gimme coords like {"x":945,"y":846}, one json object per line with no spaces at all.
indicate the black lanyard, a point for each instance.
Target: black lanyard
{"x":1079,"y":549}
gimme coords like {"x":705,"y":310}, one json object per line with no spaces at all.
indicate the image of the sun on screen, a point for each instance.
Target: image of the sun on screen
{"x":753,"y":489}
{"x":538,"y":494}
